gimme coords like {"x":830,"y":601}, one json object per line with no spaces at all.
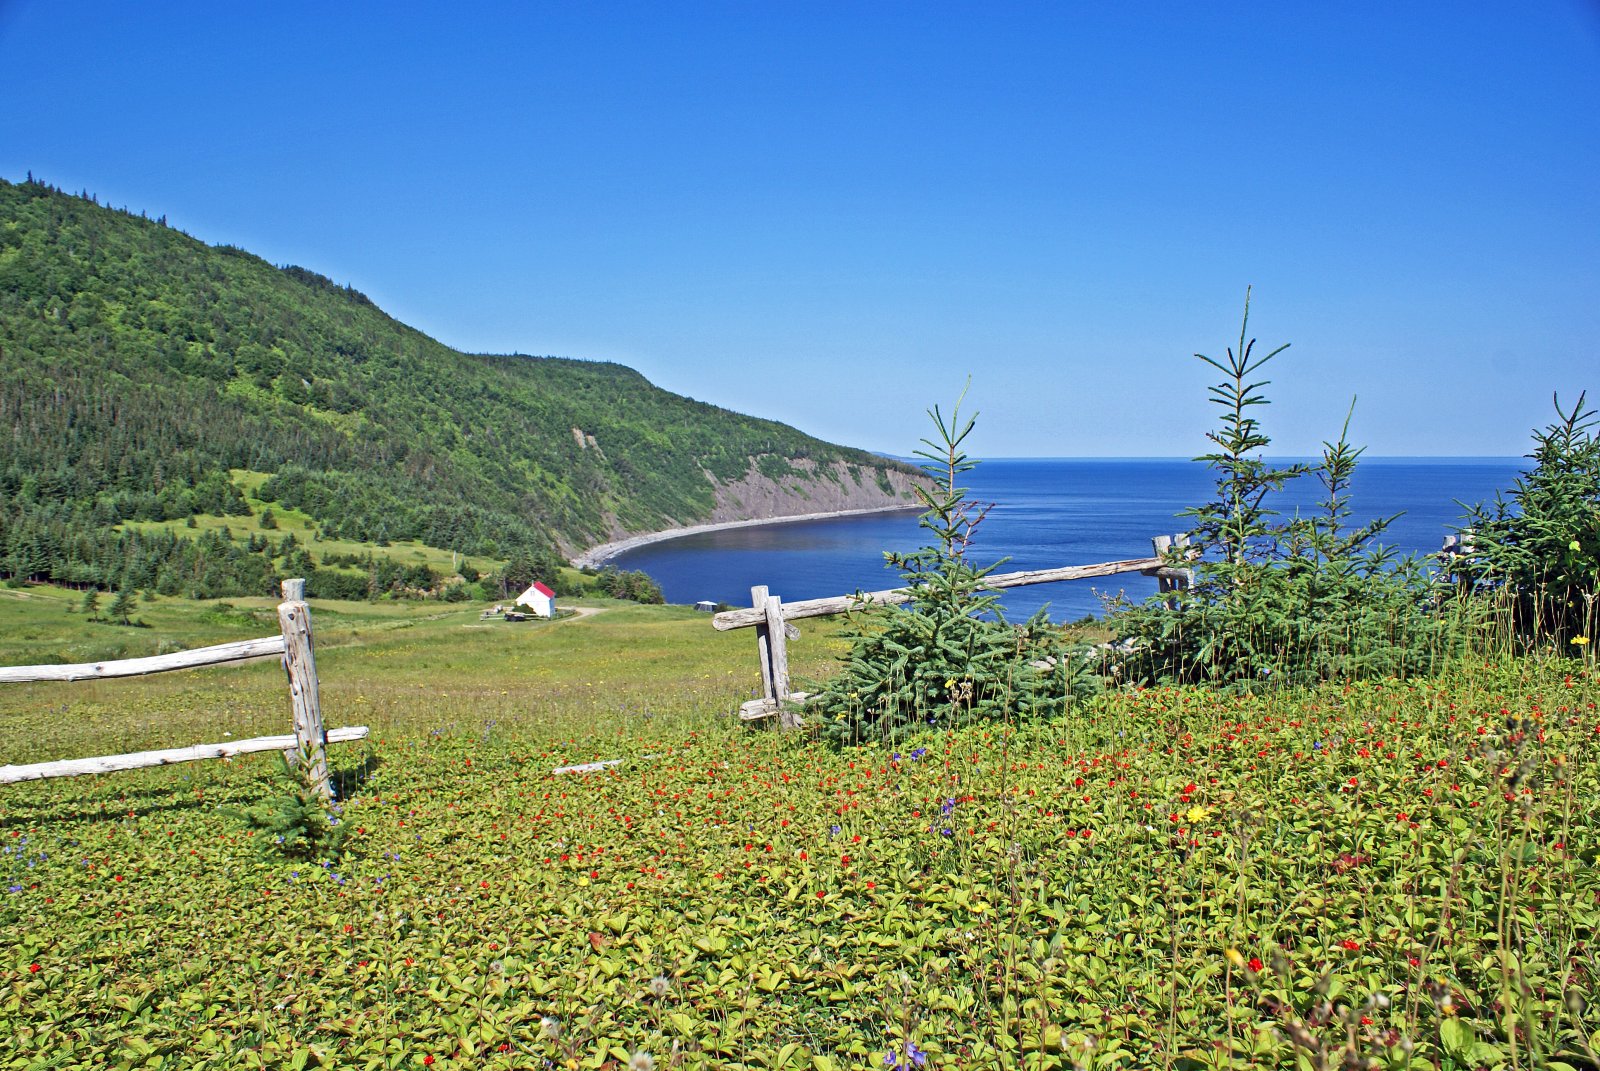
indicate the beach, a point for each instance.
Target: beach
{"x":597,"y":556}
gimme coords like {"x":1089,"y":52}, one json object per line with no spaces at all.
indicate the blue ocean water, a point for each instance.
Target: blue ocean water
{"x":1050,"y":512}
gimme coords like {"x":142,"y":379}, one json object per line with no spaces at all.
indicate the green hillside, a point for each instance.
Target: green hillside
{"x":138,"y":366}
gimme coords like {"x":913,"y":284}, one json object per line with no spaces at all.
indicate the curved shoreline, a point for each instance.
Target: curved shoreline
{"x":598,"y":555}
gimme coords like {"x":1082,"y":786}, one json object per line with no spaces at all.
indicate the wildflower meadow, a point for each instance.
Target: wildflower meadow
{"x":1390,"y":874}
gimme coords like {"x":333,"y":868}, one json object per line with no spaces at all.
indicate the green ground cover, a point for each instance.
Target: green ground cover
{"x":1166,"y":877}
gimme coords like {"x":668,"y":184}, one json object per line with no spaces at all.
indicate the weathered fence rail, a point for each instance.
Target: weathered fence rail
{"x":770,"y":616}
{"x":309,"y":738}
{"x":137,"y":760}
{"x":221,"y":654}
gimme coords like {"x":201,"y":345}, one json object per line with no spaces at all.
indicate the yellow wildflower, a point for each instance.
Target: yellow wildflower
{"x":1581,"y":641}
{"x":1198,"y":814}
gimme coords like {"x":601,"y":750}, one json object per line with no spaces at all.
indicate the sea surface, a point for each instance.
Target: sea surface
{"x":1050,"y":512}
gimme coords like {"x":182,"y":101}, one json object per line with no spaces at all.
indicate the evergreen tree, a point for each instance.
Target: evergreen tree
{"x":1541,"y":550}
{"x":122,"y":607}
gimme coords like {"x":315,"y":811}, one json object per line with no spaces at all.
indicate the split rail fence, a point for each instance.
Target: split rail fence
{"x":771,"y":617}
{"x":309,"y":738}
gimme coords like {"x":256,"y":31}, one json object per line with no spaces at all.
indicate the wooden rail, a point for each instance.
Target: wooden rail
{"x":221,"y":654}
{"x":770,"y":616}
{"x":839,"y":604}
{"x":310,"y":738}
{"x":137,"y":760}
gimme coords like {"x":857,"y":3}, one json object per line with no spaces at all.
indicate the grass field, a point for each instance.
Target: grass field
{"x":1396,"y":872}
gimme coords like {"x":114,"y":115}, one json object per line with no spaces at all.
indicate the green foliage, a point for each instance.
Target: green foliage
{"x":138,"y":367}
{"x":1541,"y":550}
{"x":90,"y":604}
{"x":1278,"y":600}
{"x":947,"y":657}
{"x":297,"y":823}
{"x":632,"y":584}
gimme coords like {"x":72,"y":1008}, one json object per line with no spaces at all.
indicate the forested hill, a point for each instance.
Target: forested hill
{"x":140,"y":366}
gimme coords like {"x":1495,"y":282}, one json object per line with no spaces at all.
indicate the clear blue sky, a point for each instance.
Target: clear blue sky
{"x":832,"y":214}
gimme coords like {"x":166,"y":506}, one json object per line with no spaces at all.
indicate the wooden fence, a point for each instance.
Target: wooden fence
{"x":770,"y":616}
{"x":299,"y":662}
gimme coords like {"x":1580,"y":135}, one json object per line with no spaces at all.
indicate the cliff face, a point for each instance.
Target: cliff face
{"x":775,"y":489}
{"x":809,"y":487}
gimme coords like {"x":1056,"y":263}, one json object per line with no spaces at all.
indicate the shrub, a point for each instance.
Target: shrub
{"x":947,"y":657}
{"x":1541,"y":550}
{"x":1282,"y":600}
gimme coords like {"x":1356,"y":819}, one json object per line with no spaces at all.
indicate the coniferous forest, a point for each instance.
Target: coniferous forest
{"x":141,"y":370}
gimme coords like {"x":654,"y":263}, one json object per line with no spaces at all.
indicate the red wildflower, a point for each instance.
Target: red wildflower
{"x":33,"y":968}
{"x":1350,"y":946}
{"x":1255,"y":964}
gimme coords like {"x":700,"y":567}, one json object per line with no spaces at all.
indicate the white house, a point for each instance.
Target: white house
{"x":539,"y":600}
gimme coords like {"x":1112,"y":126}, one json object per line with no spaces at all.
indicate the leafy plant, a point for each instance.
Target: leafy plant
{"x":1054,"y":894}
{"x":1282,"y":599}
{"x":947,"y":657}
{"x":1541,"y":549}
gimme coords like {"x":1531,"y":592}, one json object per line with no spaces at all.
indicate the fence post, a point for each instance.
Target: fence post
{"x":1457,"y":548}
{"x":1181,"y":542}
{"x":777,"y":640}
{"x":772,"y":632}
{"x":300,"y":664}
{"x":758,"y":599}
{"x":1168,"y":579}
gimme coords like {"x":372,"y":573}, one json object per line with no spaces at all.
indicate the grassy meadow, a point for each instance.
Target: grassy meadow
{"x":1390,"y":874}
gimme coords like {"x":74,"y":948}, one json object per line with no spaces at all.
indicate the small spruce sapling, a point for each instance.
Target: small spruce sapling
{"x":1277,"y":599}
{"x":297,"y":823}
{"x":947,"y":657}
{"x":1541,"y":549}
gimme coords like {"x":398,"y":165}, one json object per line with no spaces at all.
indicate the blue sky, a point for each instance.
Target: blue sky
{"x":833,"y":214}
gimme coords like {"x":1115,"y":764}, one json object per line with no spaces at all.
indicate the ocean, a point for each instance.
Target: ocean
{"x":1049,"y":512}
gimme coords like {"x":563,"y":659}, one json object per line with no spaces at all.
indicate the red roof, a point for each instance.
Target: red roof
{"x":542,"y":590}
